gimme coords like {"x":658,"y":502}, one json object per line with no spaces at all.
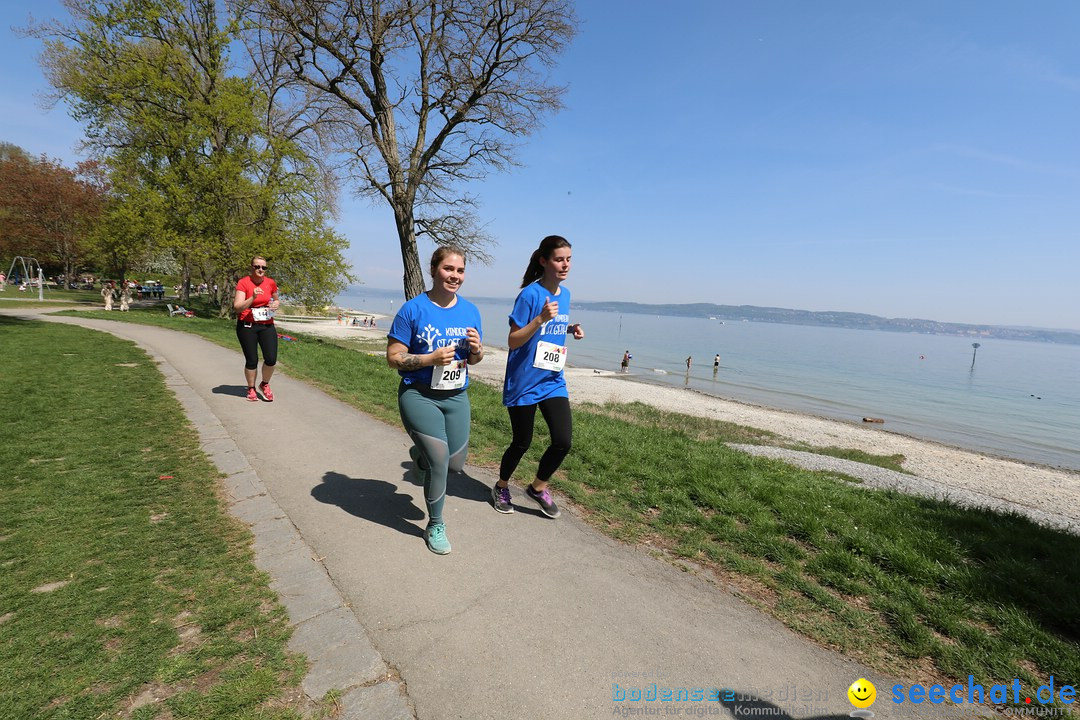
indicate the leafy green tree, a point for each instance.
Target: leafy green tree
{"x":420,"y":95}
{"x":190,"y":144}
{"x":132,"y":225}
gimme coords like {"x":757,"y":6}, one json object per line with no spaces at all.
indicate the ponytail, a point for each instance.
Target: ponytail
{"x":548,"y":245}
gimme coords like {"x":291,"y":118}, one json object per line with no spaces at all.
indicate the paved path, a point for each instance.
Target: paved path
{"x":527,"y":618}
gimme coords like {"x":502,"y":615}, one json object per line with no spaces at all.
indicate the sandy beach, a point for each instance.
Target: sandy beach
{"x":1049,"y":495}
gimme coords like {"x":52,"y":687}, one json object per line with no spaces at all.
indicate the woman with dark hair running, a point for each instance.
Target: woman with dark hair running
{"x":255,"y":301}
{"x":534,"y":379}
{"x":433,"y":339}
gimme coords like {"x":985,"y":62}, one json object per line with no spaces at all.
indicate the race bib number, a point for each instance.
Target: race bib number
{"x":449,"y":377}
{"x":261,"y":314}
{"x":550,"y":356}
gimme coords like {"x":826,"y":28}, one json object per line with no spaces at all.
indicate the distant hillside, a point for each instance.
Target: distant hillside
{"x":835,"y":319}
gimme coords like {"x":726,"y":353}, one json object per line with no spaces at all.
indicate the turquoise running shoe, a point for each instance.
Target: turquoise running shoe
{"x":436,"y":539}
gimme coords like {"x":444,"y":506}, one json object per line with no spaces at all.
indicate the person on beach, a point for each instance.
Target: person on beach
{"x":716,"y":363}
{"x":433,"y":339}
{"x":534,"y":378}
{"x":626,"y":361}
{"x":255,"y":301}
{"x":689,"y":362}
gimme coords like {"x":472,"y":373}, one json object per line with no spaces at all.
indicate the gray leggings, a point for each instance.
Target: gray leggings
{"x":438,"y":423}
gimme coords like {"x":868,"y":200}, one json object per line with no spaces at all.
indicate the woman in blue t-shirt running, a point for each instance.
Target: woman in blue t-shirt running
{"x":432,"y":341}
{"x":534,"y":378}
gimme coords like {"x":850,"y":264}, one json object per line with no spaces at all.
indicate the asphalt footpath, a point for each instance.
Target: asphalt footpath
{"x":528,"y":617}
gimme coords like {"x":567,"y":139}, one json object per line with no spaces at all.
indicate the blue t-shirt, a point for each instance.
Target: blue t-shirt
{"x":424,"y":327}
{"x":524,"y":383}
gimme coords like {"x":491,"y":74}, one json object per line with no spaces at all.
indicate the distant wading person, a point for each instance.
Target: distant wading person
{"x":433,"y":339}
{"x":626,"y":361}
{"x":255,"y":301}
{"x":534,"y":372}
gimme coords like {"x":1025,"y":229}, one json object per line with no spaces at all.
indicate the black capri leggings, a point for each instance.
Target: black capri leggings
{"x":253,"y":336}
{"x":556,"y":412}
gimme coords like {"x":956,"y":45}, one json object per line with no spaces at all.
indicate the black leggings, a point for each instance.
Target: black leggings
{"x":556,"y":412}
{"x":253,"y":336}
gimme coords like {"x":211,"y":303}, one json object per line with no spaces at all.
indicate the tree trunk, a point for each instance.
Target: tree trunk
{"x":225,"y":309}
{"x":185,"y":284}
{"x":410,"y":257}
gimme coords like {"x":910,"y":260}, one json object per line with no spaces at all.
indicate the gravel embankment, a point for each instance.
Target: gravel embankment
{"x":878,"y":477}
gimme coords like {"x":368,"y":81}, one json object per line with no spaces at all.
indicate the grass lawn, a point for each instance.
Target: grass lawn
{"x":127,"y":590}
{"x":11,"y":297}
{"x":914,"y":587}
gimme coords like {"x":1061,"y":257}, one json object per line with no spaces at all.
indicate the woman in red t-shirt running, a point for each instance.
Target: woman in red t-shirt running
{"x":255,"y":301}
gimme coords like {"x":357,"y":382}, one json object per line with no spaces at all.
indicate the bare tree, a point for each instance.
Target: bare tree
{"x":420,"y":95}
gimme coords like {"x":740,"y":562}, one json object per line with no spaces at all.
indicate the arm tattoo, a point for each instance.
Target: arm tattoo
{"x":409,"y":362}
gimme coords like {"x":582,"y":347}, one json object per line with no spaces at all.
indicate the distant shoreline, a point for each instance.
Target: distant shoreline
{"x":809,"y":318}
{"x":842,"y":320}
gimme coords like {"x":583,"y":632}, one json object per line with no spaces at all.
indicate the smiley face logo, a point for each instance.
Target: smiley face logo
{"x":862,"y":693}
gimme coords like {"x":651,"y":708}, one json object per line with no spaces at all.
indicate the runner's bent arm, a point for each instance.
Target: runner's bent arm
{"x":241,"y":303}
{"x":520,"y":335}
{"x":399,"y":357}
{"x":476,"y":347}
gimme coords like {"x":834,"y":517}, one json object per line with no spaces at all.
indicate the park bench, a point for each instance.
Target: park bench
{"x":179,"y":310}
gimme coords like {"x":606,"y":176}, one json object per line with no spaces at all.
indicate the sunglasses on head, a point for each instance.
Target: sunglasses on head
{"x":259,"y":267}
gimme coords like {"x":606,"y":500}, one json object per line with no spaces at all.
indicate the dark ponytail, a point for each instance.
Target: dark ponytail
{"x":548,"y":245}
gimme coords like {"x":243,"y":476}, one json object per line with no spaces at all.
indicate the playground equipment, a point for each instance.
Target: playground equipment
{"x":22,"y":272}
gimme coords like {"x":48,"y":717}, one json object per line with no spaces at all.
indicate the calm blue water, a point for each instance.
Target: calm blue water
{"x":1022,"y":399}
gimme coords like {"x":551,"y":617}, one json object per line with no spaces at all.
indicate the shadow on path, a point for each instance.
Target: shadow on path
{"x":465,"y":486}
{"x":374,"y":500}
{"x":234,"y":390}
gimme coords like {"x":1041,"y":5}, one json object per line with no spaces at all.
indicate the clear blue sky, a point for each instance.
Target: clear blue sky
{"x":916,"y":159}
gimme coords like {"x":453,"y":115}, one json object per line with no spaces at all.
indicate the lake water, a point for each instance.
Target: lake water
{"x":1021,"y":400}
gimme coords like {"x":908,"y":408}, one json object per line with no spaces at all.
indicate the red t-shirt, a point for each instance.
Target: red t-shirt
{"x":247,"y":286}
